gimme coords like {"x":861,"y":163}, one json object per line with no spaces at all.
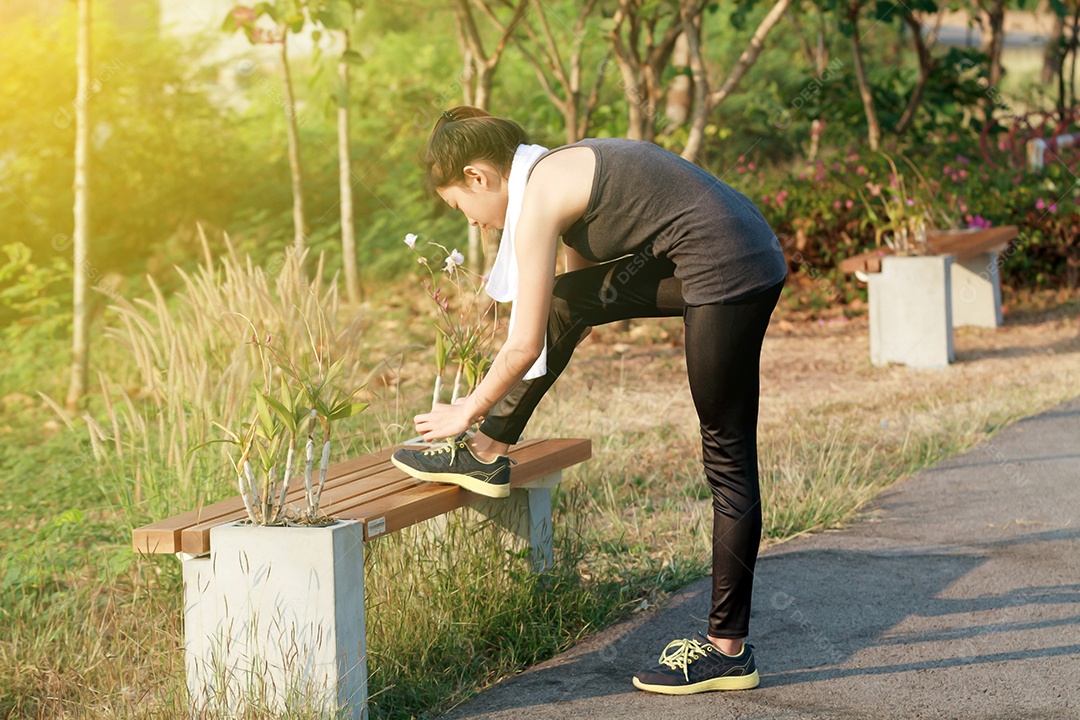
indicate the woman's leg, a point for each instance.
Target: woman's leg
{"x":723,"y":349}
{"x":637,"y":286}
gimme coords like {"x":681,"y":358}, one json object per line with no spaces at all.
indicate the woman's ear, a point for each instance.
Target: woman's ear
{"x":474,"y":174}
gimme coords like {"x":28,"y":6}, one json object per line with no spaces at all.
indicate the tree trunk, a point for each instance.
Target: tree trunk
{"x":1074,"y":44}
{"x":468,"y":63}
{"x":80,"y":346}
{"x":704,"y":99}
{"x":635,"y":122}
{"x":873,"y":128}
{"x":750,"y":54}
{"x":680,"y":92}
{"x":485,"y":76}
{"x":1052,"y":55}
{"x":642,"y":62}
{"x":348,"y":230}
{"x":995,"y":16}
{"x":295,"y":170}
{"x":926,"y":66}
{"x":695,"y":139}
{"x":572,"y":122}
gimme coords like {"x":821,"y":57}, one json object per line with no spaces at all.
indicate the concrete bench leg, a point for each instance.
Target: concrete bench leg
{"x":976,"y":292}
{"x":911,"y":311}
{"x":274,"y":620}
{"x":526,"y":515}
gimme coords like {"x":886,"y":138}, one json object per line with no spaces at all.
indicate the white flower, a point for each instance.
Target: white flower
{"x":410,"y":240}
{"x":453,"y":260}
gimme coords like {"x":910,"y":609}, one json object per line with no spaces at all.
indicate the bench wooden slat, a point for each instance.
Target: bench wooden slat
{"x":360,"y":488}
{"x":968,"y":245}
{"x":403,"y":500}
{"x":196,"y":538}
{"x":364,"y":475}
{"x":431,"y":499}
{"x":964,"y":246}
{"x":164,"y":536}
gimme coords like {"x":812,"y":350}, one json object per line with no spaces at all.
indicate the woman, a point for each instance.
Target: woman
{"x":646,"y":234}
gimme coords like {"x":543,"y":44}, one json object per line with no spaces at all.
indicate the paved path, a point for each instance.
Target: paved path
{"x":957,"y":596}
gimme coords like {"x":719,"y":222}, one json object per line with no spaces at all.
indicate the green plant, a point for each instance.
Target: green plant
{"x":904,"y":212}
{"x":32,"y":293}
{"x":464,"y":332}
{"x":308,"y":401}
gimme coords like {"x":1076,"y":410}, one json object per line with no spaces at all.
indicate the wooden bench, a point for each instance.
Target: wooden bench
{"x":229,"y":598}
{"x":916,"y":301}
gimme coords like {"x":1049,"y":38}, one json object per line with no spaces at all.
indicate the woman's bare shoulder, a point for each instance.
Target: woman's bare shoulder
{"x":566,"y":163}
{"x":563,"y":182}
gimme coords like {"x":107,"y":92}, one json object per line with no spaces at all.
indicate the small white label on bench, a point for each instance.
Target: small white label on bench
{"x":376,"y":527}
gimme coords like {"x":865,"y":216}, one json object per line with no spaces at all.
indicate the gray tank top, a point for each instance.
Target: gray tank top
{"x":648,"y":200}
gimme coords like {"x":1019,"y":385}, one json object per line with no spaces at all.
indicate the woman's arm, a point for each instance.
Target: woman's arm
{"x":553,"y":201}
{"x":536,"y":243}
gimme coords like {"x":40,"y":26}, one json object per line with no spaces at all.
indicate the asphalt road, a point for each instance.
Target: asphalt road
{"x":957,"y":595}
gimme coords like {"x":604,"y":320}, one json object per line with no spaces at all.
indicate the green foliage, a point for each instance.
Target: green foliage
{"x":32,"y":294}
{"x":821,"y":211}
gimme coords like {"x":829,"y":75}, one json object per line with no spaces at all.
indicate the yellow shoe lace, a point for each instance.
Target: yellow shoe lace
{"x":451,"y":446}
{"x":680,"y":653}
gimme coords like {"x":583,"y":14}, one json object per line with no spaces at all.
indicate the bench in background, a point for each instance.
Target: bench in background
{"x":916,"y":301}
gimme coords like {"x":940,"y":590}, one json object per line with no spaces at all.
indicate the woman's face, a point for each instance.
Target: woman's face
{"x":482,"y":197}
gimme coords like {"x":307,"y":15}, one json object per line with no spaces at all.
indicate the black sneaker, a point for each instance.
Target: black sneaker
{"x":455,"y":463}
{"x":696,"y":665}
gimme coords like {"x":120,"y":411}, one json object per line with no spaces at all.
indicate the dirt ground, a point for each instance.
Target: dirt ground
{"x":633,"y":377}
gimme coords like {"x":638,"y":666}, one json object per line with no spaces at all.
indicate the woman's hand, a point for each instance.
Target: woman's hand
{"x":444,"y":421}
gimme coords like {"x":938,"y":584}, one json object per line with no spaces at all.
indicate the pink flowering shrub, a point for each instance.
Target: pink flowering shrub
{"x":818,"y":214}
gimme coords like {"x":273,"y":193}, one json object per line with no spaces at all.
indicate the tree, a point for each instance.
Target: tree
{"x":478,"y":74}
{"x":348,"y":227}
{"x":1058,"y":48}
{"x":642,"y":35}
{"x":339,"y":15}
{"x":705,"y":100}
{"x":850,"y":25}
{"x":562,"y":79}
{"x":994,"y":10}
{"x":927,"y":63}
{"x":287,"y":15}
{"x":817,"y":58}
{"x":80,"y":344}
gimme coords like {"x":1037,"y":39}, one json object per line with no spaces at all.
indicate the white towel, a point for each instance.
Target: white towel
{"x":502,"y":282}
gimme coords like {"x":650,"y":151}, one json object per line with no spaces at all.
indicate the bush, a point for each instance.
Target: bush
{"x":818,"y":209}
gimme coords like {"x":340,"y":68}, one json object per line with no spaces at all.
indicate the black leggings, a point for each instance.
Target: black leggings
{"x":723,"y":347}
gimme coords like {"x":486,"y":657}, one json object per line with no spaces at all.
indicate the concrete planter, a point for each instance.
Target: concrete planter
{"x":274,"y":619}
{"x":976,"y":286}
{"x":911,"y":311}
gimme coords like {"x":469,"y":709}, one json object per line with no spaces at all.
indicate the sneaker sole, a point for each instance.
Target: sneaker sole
{"x":738,"y":682}
{"x":464,"y":481}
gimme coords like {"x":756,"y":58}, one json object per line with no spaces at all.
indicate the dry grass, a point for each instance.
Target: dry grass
{"x":191,"y":366}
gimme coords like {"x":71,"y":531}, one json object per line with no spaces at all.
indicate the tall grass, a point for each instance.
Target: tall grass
{"x":192,"y":367}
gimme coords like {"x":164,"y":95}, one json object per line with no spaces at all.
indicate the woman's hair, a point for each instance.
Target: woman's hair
{"x":465,"y":135}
